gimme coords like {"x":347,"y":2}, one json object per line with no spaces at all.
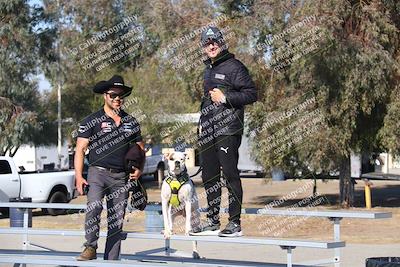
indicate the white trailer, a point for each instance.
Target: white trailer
{"x":247,"y":164}
{"x":41,"y":158}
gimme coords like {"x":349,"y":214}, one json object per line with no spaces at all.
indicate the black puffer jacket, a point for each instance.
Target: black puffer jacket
{"x":232,"y":77}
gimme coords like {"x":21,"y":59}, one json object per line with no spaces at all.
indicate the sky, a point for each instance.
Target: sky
{"x":43,"y":83}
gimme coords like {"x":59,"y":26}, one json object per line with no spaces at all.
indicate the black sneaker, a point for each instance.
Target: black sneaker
{"x":206,"y":229}
{"x":231,"y":230}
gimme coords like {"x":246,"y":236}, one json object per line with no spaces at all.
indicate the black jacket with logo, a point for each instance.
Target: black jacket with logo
{"x":232,"y":78}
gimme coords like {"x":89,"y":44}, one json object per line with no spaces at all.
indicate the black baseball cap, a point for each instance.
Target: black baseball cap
{"x":211,"y":33}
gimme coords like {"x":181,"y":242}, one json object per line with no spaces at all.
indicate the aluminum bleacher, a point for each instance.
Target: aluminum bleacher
{"x":286,"y":244}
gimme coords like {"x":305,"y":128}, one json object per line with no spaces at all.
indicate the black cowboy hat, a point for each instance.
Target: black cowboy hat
{"x":116,"y":81}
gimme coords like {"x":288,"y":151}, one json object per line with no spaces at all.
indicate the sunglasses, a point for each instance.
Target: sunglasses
{"x":210,"y":41}
{"x":115,"y":95}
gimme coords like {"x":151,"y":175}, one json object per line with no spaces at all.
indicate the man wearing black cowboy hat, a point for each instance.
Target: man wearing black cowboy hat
{"x":107,"y":134}
{"x":228,"y":87}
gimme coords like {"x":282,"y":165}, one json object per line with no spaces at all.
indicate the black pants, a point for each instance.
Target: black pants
{"x":223,"y":152}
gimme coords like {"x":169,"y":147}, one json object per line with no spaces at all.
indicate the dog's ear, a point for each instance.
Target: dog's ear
{"x":169,"y":156}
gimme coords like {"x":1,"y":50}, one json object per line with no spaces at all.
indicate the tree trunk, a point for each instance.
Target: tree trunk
{"x":12,"y":153}
{"x":4,"y":151}
{"x":346,"y":183}
{"x":315,"y":187}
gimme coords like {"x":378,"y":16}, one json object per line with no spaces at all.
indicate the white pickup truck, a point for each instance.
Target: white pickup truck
{"x":47,"y":187}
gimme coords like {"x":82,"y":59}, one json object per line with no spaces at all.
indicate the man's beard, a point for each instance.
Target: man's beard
{"x":110,"y":105}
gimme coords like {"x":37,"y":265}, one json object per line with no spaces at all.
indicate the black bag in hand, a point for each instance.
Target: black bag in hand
{"x":139,"y":195}
{"x":135,"y":159}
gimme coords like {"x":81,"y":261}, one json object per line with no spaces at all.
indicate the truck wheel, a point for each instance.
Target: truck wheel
{"x":57,"y":197}
{"x":159,"y":174}
{"x":5,"y":212}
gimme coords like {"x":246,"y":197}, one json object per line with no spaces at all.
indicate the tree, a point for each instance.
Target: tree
{"x":155,"y":83}
{"x":327,"y":71}
{"x":78,"y":29}
{"x":17,"y":127}
{"x":18,"y":63}
{"x":389,"y":134}
{"x":324,"y":103}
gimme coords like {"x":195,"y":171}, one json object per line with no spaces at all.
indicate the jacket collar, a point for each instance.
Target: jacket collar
{"x":223,"y":56}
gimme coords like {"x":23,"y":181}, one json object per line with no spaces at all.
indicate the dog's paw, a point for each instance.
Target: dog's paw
{"x":167,"y":234}
{"x":196,"y":255}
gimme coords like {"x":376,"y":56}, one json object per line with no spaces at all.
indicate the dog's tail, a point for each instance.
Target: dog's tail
{"x":198,"y":171}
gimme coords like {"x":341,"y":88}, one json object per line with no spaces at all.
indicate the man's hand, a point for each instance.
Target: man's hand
{"x":217,"y":96}
{"x":135,"y":174}
{"x":79,"y":182}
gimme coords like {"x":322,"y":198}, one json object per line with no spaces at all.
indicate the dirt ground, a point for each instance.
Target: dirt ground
{"x":259,"y":192}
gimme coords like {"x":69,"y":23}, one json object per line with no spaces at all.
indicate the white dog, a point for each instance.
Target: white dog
{"x":178,"y":197}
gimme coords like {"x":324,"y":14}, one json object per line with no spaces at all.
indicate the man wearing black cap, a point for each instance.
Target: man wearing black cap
{"x":107,"y":134}
{"x":228,"y":87}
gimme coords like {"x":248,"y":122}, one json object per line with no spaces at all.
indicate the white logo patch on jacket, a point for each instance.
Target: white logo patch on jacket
{"x":82,"y":128}
{"x":220,"y":76}
{"x":209,"y":32}
{"x":128,"y":126}
{"x":106,"y":127}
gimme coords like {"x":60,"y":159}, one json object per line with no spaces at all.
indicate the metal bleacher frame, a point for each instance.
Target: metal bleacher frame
{"x":285,"y":244}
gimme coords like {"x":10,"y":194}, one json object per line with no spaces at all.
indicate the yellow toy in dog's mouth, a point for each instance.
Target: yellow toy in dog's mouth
{"x":175,"y":184}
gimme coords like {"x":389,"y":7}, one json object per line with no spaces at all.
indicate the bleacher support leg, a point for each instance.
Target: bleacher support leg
{"x":288,"y":255}
{"x":25,"y":236}
{"x":336,"y":236}
{"x":167,"y":246}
